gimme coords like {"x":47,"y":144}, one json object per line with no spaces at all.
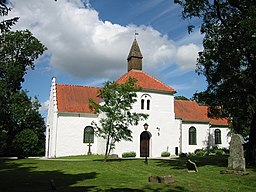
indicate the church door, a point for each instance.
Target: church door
{"x":144,"y":143}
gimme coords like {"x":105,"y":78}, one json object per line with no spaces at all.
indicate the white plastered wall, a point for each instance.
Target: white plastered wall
{"x":205,"y":136}
{"x":162,"y":126}
{"x":202,"y":136}
{"x":225,"y":138}
{"x":70,"y":133}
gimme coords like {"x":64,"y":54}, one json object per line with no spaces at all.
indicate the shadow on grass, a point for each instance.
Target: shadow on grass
{"x":168,"y":188}
{"x":23,"y":177}
{"x":180,"y":163}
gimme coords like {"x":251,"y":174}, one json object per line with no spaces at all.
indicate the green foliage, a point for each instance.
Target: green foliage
{"x":18,"y":51}
{"x":25,"y":143}
{"x":200,"y":152}
{"x":165,"y":154}
{"x":6,"y":24}
{"x":212,"y":151}
{"x":228,"y":61}
{"x":181,"y":98}
{"x":129,"y":154}
{"x":183,"y":155}
{"x":116,"y":107}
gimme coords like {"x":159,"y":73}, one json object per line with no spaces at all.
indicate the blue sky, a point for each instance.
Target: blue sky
{"x":88,"y":42}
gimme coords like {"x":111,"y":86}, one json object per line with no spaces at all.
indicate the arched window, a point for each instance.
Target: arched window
{"x":145,"y":102}
{"x":148,"y":104}
{"x":217,"y":136}
{"x":142,"y":104}
{"x":192,"y":136}
{"x":88,"y":134}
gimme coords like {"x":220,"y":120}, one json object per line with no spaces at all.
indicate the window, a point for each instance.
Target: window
{"x":145,"y":102}
{"x":217,"y":136}
{"x":148,"y":104}
{"x":142,"y":104}
{"x":192,"y":136}
{"x":88,"y":134}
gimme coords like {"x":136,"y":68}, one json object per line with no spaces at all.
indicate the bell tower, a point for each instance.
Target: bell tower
{"x":135,"y":57}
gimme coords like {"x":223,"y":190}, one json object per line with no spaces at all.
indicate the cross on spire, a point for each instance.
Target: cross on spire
{"x":135,"y":34}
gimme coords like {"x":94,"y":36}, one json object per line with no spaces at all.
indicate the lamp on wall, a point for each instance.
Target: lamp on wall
{"x":145,"y":126}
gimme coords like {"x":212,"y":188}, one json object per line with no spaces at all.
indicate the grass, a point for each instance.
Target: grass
{"x":91,"y":174}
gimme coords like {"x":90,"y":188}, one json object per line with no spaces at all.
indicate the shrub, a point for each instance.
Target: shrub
{"x":182,"y":155}
{"x":165,"y":154}
{"x":219,"y":152}
{"x":25,"y":143}
{"x":200,"y":152}
{"x":129,"y":154}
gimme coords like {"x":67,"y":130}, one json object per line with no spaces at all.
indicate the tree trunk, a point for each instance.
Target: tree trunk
{"x":107,"y":146}
{"x":251,"y":153}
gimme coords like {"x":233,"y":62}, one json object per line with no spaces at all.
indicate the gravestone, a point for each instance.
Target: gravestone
{"x":191,"y":166}
{"x":236,"y":160}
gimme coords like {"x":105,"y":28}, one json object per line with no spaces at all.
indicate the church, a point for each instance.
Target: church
{"x":176,"y":126}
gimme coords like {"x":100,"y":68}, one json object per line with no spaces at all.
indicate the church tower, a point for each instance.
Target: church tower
{"x":135,"y":57}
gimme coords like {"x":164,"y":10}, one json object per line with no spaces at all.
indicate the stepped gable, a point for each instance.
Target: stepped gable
{"x":146,"y":81}
{"x":191,"y":111}
{"x":72,"y":98}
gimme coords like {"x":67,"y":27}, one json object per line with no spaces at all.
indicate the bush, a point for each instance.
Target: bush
{"x":165,"y":154}
{"x":182,"y":155}
{"x":129,"y":154}
{"x":200,"y":152}
{"x":25,"y":143}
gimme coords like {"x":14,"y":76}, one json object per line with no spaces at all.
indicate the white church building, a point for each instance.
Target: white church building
{"x":176,"y":126}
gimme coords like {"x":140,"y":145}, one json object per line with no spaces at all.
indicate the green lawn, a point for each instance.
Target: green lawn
{"x":91,"y":174}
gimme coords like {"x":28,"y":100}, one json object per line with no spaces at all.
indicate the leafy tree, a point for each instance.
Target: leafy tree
{"x":228,"y":61}
{"x":117,"y":112}
{"x":25,"y":143}
{"x":18,"y":51}
{"x":5,"y":25}
{"x":181,"y":98}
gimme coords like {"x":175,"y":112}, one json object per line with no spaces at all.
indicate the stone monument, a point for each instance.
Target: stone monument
{"x":236,"y":160}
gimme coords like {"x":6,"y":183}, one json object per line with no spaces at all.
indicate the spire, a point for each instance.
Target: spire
{"x":135,"y":57}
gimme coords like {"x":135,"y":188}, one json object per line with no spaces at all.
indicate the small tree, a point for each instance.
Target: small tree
{"x":25,"y":142}
{"x":116,"y":109}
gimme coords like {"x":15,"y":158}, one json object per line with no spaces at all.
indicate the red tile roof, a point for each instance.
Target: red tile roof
{"x":72,"y":98}
{"x":145,"y":81}
{"x":191,"y":111}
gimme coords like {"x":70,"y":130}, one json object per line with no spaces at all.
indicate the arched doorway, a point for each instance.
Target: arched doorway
{"x":144,"y":144}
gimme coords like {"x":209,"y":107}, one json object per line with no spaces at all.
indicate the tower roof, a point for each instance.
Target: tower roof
{"x":135,"y":51}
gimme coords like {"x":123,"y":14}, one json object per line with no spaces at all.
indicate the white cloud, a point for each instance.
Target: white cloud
{"x":187,"y":55}
{"x":44,"y":106}
{"x":82,"y":45}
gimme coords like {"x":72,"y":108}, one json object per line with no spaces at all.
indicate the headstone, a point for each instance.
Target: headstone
{"x":167,"y":179}
{"x":236,"y":160}
{"x":191,"y":166}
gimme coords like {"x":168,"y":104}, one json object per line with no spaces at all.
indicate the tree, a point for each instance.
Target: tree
{"x":228,"y":62}
{"x":181,"y":98}
{"x":5,"y":25}
{"x":25,"y":143}
{"x":116,"y":112}
{"x":18,"y":51}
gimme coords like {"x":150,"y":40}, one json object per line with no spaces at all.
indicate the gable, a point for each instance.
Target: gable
{"x":146,"y":81}
{"x":191,"y":111}
{"x":72,"y":98}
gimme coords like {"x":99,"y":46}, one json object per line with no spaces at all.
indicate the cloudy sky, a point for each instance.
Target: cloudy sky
{"x":88,"y":42}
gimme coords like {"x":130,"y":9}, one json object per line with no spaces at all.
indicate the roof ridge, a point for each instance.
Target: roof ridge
{"x":70,"y":85}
